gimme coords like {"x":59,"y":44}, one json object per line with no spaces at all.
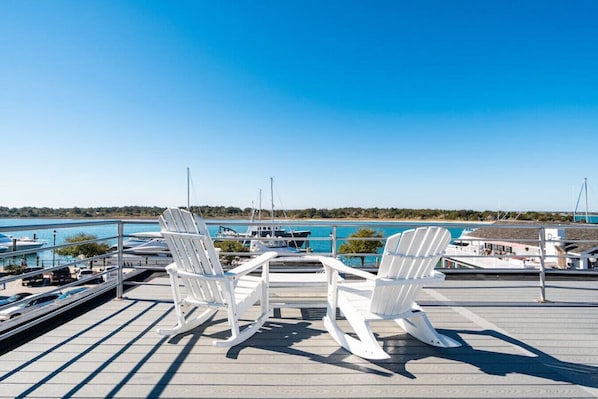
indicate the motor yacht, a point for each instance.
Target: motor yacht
{"x":8,"y":243}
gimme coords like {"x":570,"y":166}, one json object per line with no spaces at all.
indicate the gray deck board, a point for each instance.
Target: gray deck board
{"x":513,"y":347}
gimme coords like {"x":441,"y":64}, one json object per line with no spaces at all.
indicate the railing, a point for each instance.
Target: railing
{"x":46,"y":261}
{"x":534,"y":252}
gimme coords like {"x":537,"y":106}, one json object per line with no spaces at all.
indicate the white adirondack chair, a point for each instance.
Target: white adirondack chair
{"x":407,"y":264}
{"x":206,"y":285}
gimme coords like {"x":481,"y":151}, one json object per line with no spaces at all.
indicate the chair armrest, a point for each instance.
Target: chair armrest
{"x":328,"y":262}
{"x":231,"y":274}
{"x":437,"y":276}
{"x":171,"y":266}
{"x":339,"y":266}
{"x":251,"y":265}
{"x":298,"y":258}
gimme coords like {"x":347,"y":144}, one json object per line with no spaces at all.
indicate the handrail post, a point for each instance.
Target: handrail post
{"x":119,"y":261}
{"x":542,"y":244}
{"x":333,"y":242}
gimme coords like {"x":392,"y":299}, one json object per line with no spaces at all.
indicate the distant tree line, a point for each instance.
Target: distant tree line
{"x":310,"y":213}
{"x":100,"y":212}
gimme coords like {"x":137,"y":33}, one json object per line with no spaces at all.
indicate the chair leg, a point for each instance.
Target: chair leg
{"x":366,"y":346}
{"x":238,"y":336}
{"x":181,"y":308}
{"x":237,"y":310}
{"x":418,"y":325}
{"x":184,"y":324}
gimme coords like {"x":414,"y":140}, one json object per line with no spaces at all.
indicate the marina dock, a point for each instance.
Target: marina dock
{"x":513,"y":347}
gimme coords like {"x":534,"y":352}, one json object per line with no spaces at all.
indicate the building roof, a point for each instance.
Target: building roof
{"x":574,"y":233}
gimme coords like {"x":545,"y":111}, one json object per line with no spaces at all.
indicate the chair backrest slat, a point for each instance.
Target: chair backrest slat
{"x":410,"y":255}
{"x":193,"y":251}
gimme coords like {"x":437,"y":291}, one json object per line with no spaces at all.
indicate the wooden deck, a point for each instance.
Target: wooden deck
{"x":513,"y":347}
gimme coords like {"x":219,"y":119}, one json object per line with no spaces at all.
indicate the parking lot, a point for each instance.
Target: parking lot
{"x":16,"y":286}
{"x":41,"y":299}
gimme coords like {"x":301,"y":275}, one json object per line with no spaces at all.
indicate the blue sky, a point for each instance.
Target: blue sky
{"x":479,"y":105}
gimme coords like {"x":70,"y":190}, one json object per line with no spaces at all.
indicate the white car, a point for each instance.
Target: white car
{"x":111,"y":273}
{"x":90,"y":276}
{"x":30,"y":304}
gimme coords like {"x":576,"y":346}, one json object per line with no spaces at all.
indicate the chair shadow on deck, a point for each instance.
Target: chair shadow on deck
{"x":279,"y":336}
{"x":529,"y":361}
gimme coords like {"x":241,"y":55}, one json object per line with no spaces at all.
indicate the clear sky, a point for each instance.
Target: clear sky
{"x":445,"y":104}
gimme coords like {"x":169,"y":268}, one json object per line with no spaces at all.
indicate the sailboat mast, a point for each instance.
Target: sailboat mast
{"x":585,"y":185}
{"x":583,"y":190}
{"x":272,"y":197}
{"x":188,"y":201}
{"x":259,"y":212}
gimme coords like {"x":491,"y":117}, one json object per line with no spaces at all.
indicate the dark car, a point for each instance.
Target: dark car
{"x":36,"y":279}
{"x":61,"y":276}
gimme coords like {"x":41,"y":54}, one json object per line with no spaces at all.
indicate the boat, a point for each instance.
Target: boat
{"x":292,"y":238}
{"x":280,"y":246}
{"x":258,"y":237}
{"x":268,"y":236}
{"x":272,"y":236}
{"x":8,"y":243}
{"x":145,"y":243}
{"x":579,"y":218}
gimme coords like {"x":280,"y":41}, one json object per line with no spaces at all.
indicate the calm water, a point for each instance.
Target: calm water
{"x":591,"y":218}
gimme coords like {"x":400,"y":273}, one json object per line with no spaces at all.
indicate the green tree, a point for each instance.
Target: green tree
{"x":230,"y":246}
{"x":87,"y":249}
{"x":14,"y":269}
{"x":362,"y":246}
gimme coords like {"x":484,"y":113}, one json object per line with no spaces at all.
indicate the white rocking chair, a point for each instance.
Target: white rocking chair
{"x":206,"y":285}
{"x":407,"y":264}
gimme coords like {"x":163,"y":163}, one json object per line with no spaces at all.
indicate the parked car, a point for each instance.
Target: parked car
{"x":61,"y":276}
{"x":71,"y":293}
{"x":30,"y":304}
{"x":13,"y":298}
{"x":111,"y":273}
{"x":35,"y":279}
{"x":84,"y":274}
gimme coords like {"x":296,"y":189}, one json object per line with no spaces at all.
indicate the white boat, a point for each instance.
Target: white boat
{"x":8,"y":243}
{"x":272,"y":236}
{"x":145,"y":243}
{"x":291,"y":238}
{"x":280,"y":246}
{"x":268,"y":236}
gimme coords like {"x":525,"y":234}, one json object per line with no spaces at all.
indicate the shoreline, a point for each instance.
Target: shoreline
{"x":294,"y":220}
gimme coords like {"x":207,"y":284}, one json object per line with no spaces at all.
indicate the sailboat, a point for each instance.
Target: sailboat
{"x":267,"y":237}
{"x":584,"y":189}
